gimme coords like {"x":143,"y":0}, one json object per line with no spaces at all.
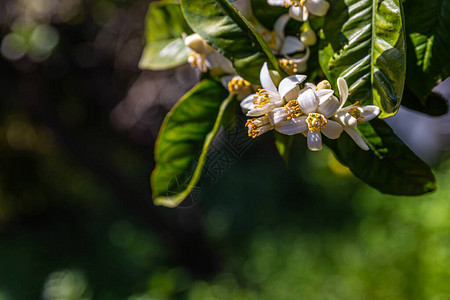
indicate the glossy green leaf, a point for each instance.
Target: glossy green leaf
{"x":434,"y":104}
{"x":222,"y":26}
{"x":364,"y":42}
{"x":183,"y":141}
{"x":164,"y":45}
{"x":428,"y":37}
{"x":390,"y":166}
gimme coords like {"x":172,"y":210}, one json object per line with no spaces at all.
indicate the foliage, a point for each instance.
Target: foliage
{"x":361,"y":41}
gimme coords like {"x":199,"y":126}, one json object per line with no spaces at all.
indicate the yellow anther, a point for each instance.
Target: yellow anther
{"x":252,"y":128}
{"x":302,"y":2}
{"x":293,"y":109}
{"x":356,"y":111}
{"x":316,"y":121}
{"x":237,"y":85}
{"x":262,"y":98}
{"x":288,"y":65}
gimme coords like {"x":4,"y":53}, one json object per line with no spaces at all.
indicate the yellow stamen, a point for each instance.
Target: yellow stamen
{"x":316,"y":121}
{"x":355,"y":112}
{"x":252,"y":128}
{"x":237,"y":85}
{"x":262,"y":98}
{"x":293,"y":109}
{"x":288,"y":65}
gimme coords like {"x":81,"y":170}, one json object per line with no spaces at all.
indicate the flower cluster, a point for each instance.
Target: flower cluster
{"x":311,"y":110}
{"x":300,"y":9}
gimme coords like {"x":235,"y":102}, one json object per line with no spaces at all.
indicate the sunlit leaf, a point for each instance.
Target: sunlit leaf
{"x":390,"y":166}
{"x":428,"y":30}
{"x":364,"y":42}
{"x":164,"y":46}
{"x":221,"y":25}
{"x":183,"y":141}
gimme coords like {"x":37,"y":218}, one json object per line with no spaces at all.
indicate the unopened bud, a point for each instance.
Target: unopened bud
{"x":198,"y":44}
{"x":324,"y":84}
{"x":308,"y":37}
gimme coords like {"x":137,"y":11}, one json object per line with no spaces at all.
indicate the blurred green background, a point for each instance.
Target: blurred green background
{"x":77,"y":129}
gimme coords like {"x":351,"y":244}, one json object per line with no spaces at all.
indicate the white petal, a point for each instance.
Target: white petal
{"x":280,"y":25}
{"x":314,"y":140}
{"x":266,"y":80}
{"x":299,"y":13}
{"x":291,"y":44}
{"x":292,"y":126}
{"x":278,"y":115}
{"x":244,"y":7}
{"x":259,"y":111}
{"x":343,"y":90}
{"x":370,"y":112}
{"x":332,"y":129}
{"x":307,"y":101}
{"x":329,"y":107}
{"x":247,"y":103}
{"x":317,"y":7}
{"x":302,"y":61}
{"x":357,"y":138}
{"x":310,"y":85}
{"x":276,"y":2}
{"x":324,"y":95}
{"x":293,"y":94}
{"x":344,"y":118}
{"x":289,"y":83}
{"x":274,"y":97}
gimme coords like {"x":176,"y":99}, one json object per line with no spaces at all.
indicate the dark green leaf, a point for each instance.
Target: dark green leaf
{"x":267,"y":14}
{"x":222,"y":26}
{"x":428,"y":30}
{"x":183,"y":141}
{"x":434,"y":105}
{"x":363,"y":41}
{"x":164,"y":26}
{"x":390,"y":166}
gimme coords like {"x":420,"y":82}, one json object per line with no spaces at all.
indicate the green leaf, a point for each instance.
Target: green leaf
{"x":164,"y":26}
{"x":364,"y":42}
{"x":428,"y":30}
{"x":283,"y":143}
{"x":434,"y":105}
{"x":186,"y":134}
{"x":267,"y":14}
{"x":390,"y":166}
{"x":222,"y":26}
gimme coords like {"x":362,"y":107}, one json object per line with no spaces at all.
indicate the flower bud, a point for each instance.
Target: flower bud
{"x":198,"y":44}
{"x":324,"y":84}
{"x":308,"y":37}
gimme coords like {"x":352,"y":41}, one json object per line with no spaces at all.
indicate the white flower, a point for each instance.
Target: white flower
{"x":309,"y":114}
{"x":286,"y":44}
{"x":258,"y":126}
{"x":300,"y":9}
{"x":353,"y":115}
{"x":269,"y":96}
{"x":205,"y":57}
